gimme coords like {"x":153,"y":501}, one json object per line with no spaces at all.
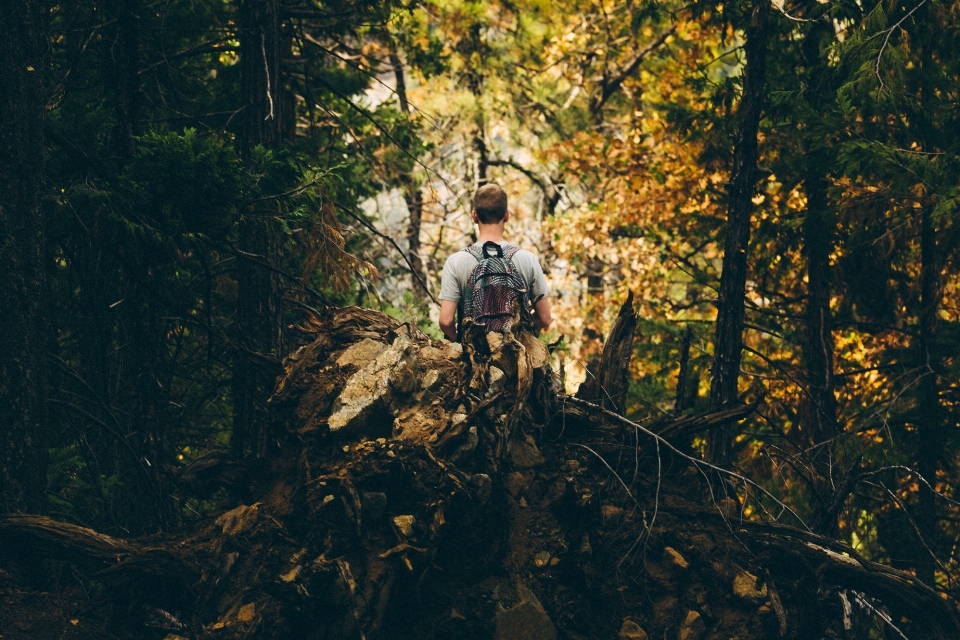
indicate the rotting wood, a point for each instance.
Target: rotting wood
{"x":432,"y":530}
{"x":608,"y":387}
{"x":63,"y":541}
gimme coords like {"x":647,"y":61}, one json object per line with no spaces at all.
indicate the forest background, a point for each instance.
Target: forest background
{"x":777,"y":184}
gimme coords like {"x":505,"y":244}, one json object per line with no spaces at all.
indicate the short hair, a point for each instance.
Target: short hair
{"x":490,"y":203}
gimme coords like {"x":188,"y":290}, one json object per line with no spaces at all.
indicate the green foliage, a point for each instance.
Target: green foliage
{"x":71,"y":489}
{"x":148,"y":195}
{"x":184,"y":184}
{"x":860,"y":141}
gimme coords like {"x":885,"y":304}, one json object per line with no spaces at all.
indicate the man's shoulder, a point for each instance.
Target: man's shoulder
{"x":460,"y":257}
{"x":525,"y":256}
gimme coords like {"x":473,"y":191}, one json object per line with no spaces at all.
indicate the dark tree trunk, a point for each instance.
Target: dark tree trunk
{"x":23,"y":372}
{"x":728,"y":342}
{"x":122,"y":52}
{"x":473,"y":76}
{"x":258,"y":302}
{"x":260,"y":51}
{"x":930,"y":432}
{"x":411,"y":195}
{"x":821,"y":404}
{"x":819,"y":408}
{"x":680,"y":400}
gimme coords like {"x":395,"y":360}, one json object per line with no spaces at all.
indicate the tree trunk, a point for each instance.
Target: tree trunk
{"x":608,"y":387}
{"x":258,"y":301}
{"x":411,"y":195}
{"x":123,"y":55}
{"x":260,"y":51}
{"x":680,"y":399}
{"x":930,"y":433}
{"x":23,"y":371}
{"x":728,"y":342}
{"x":819,"y":408}
{"x":818,"y":347}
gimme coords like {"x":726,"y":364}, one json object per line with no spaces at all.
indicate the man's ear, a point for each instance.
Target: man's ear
{"x":476,"y":220}
{"x":506,"y":216}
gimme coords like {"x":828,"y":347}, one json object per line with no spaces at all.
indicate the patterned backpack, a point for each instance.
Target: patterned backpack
{"x":493,"y":286}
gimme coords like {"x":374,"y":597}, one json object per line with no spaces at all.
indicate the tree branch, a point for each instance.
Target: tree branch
{"x":612,"y":85}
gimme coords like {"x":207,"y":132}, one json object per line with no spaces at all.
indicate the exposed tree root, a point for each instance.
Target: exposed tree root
{"x":429,"y":490}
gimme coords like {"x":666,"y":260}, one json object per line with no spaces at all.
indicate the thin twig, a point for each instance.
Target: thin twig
{"x":391,"y":241}
{"x":886,"y":41}
{"x":699,"y":463}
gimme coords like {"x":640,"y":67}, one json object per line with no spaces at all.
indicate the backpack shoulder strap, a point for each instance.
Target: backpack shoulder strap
{"x":475,"y":251}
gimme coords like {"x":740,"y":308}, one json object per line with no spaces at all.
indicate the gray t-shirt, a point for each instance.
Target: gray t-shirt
{"x":459,"y":266}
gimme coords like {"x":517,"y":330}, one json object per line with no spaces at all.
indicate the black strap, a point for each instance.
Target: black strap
{"x":492,"y":245}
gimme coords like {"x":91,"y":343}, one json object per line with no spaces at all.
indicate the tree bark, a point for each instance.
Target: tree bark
{"x":930,"y":433}
{"x":680,"y":399}
{"x":23,"y":371}
{"x":123,"y":55}
{"x":821,"y":404}
{"x":819,"y":408}
{"x":258,"y":300}
{"x":608,"y":388}
{"x":728,"y":342}
{"x":411,"y":195}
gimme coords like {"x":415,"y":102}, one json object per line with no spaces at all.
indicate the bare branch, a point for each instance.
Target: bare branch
{"x":376,"y":232}
{"x":612,"y":85}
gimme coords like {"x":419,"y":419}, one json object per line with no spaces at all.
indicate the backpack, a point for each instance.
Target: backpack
{"x":493,"y":286}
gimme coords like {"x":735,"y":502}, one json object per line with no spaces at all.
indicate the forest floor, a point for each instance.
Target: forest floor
{"x":428,"y":490}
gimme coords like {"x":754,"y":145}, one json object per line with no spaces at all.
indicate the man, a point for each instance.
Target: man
{"x":490,"y":214}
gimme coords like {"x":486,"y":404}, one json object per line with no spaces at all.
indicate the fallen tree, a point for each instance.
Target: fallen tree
{"x":433,"y":490}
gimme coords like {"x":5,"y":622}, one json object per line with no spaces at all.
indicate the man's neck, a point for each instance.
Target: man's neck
{"x":490,"y":233}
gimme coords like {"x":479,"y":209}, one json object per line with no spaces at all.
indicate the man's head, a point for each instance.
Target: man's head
{"x":490,"y":204}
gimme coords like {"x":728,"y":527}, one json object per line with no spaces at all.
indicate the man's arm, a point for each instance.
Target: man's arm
{"x":448,"y":319}
{"x":541,"y":314}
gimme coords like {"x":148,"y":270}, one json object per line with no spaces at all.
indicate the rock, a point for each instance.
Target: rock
{"x":405,"y":524}
{"x":610,"y":514}
{"x":585,"y":547}
{"x":482,"y":486}
{"x":363,"y":407}
{"x":524,"y":453}
{"x":430,"y":380}
{"x":452,"y":350}
{"x":630,"y":630}
{"x":246,"y":612}
{"x":526,"y":620}
{"x":692,"y":627}
{"x":673,"y":557}
{"x":542,"y":559}
{"x":515,"y":483}
{"x":293,"y":574}
{"x":361,"y":354}
{"x":470,"y":442}
{"x":236,"y":521}
{"x":745,"y":586}
{"x":373,"y":505}
{"x":497,"y":379}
